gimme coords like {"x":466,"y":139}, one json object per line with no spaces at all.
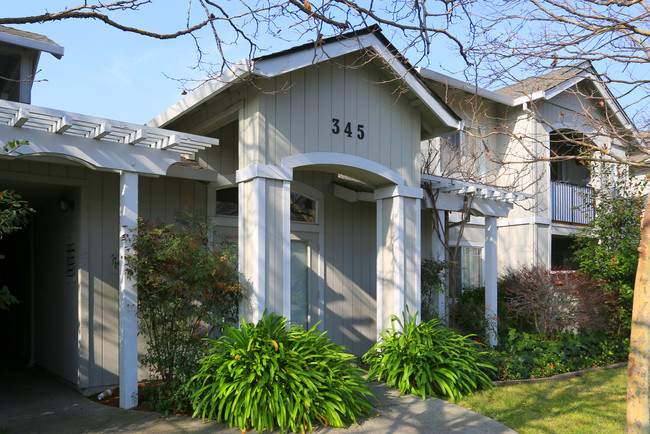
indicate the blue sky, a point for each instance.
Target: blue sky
{"x":113,"y":74}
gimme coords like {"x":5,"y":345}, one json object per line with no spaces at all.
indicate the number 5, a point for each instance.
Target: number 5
{"x":360,"y":133}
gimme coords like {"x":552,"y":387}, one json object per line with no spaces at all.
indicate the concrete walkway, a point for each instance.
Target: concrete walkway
{"x":34,"y":401}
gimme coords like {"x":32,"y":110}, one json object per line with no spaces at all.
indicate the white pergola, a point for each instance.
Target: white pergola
{"x":108,"y":145}
{"x":490,"y":202}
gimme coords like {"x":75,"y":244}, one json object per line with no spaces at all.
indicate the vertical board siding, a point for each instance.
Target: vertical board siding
{"x":296,"y":112}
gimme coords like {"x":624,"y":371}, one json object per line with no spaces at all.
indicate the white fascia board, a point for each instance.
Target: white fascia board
{"x":459,"y":84}
{"x":303,"y":58}
{"x":209,"y":89}
{"x":528,"y":98}
{"x":53,"y":49}
{"x":613,"y":105}
{"x":554,"y":91}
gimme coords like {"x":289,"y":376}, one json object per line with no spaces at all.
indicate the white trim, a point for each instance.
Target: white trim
{"x":211,"y":88}
{"x":349,"y":195}
{"x":453,"y":82}
{"x":264,"y":171}
{"x":380,"y":268}
{"x":91,"y":153}
{"x":490,"y":278}
{"x":22,"y":41}
{"x":259,"y":247}
{"x":286,"y":249}
{"x":399,"y":235}
{"x":58,"y":124}
{"x":418,"y":259}
{"x":128,"y":294}
{"x":521,"y":221}
{"x":336,"y":159}
{"x":399,"y":191}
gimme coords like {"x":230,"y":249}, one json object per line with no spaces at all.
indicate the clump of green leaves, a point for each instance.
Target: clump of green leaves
{"x":14,"y":215}
{"x":428,"y":359}
{"x":186,"y":290}
{"x":276,"y":375}
{"x":522,"y":355}
{"x":607,"y":248}
{"x":433,"y":283}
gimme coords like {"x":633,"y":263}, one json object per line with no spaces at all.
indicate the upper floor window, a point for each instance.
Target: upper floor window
{"x":303,"y":208}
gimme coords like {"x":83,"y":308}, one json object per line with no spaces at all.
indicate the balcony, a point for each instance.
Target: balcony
{"x":571,"y":203}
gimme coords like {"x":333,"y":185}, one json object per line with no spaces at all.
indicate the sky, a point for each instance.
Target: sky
{"x":112,"y":74}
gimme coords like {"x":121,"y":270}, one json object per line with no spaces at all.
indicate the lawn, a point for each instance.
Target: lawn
{"x":593,"y":403}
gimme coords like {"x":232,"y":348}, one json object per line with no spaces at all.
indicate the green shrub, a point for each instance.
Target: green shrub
{"x":428,"y":359}
{"x":433,"y":283}
{"x":186,"y":289}
{"x":524,"y":355}
{"x":273,"y":374}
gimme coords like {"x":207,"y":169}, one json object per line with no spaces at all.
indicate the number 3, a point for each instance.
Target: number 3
{"x":335,"y":126}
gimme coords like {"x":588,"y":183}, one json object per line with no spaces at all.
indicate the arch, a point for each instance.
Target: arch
{"x":372,"y":172}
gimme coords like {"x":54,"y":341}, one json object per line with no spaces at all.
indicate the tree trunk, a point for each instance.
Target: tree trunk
{"x":638,"y":410}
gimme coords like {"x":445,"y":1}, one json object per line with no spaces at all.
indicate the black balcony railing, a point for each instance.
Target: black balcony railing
{"x":571,"y":203}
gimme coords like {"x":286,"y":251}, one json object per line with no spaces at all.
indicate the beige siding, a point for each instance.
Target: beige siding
{"x":297,"y":109}
{"x":96,"y":336}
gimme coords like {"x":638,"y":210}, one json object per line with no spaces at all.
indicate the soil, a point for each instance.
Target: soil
{"x":114,"y":399}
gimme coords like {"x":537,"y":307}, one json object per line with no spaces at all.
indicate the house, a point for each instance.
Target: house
{"x":310,"y":157}
{"x":517,"y":138}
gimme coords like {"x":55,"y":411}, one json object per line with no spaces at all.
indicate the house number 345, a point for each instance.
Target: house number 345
{"x":347,"y":129}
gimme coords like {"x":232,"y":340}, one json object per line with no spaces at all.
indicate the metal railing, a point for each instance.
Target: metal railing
{"x":571,"y":203}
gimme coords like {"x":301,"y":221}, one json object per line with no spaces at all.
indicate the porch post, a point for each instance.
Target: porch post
{"x":490,"y":277}
{"x":398,"y":252}
{"x":128,"y":295}
{"x":265,"y":240}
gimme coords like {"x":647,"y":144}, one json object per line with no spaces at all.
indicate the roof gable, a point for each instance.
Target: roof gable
{"x":310,"y":54}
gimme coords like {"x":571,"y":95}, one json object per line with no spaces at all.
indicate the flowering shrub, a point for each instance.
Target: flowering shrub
{"x":186,"y":290}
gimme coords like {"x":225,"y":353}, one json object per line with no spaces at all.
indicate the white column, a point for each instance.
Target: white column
{"x":128,"y":295}
{"x":398,"y":252}
{"x":490,"y":277}
{"x":265,"y":237}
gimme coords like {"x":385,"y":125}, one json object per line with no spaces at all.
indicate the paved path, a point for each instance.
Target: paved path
{"x":33,"y":401}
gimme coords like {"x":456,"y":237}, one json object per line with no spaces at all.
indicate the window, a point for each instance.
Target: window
{"x":303,"y":209}
{"x":228,"y":202}
{"x":468,"y":272}
{"x":453,"y":141}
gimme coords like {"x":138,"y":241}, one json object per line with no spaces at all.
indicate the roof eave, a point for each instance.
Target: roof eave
{"x":54,"y":49}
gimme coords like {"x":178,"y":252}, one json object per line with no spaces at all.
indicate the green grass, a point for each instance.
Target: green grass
{"x":593,"y":403}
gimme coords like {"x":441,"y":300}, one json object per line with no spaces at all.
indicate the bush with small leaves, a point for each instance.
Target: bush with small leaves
{"x":276,"y":375}
{"x":428,"y":359}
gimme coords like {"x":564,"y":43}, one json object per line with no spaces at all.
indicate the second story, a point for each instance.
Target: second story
{"x":543,"y":136}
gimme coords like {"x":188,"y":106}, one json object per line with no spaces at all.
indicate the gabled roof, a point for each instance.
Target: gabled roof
{"x":542,"y":83}
{"x":31,"y":40}
{"x":309,"y":54}
{"x":544,"y":87}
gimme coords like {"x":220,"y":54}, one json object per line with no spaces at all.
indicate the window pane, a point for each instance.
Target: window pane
{"x":303,"y":209}
{"x":228,"y":201}
{"x":299,"y":283}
